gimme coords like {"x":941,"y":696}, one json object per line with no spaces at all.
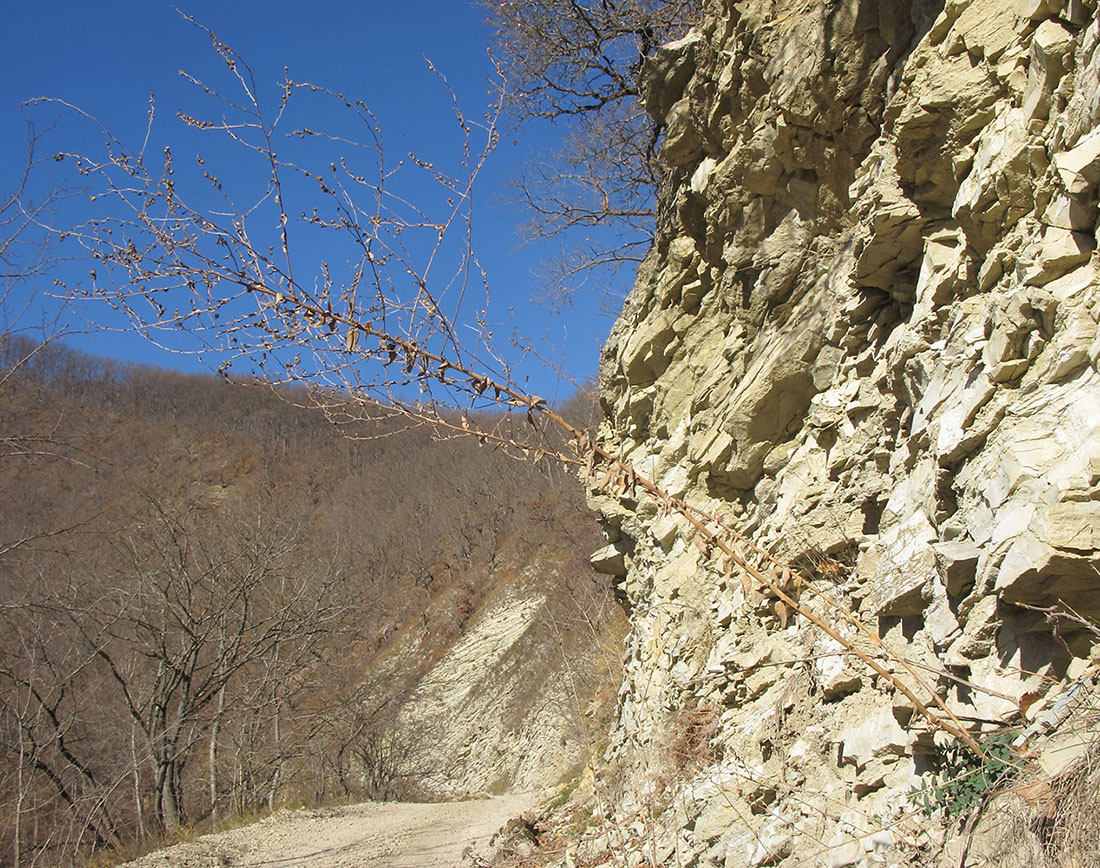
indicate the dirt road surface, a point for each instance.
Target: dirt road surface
{"x":373,"y":835}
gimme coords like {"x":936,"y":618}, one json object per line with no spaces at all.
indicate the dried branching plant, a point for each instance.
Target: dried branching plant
{"x":329,"y":274}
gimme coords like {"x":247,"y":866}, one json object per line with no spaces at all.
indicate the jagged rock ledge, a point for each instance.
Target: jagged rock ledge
{"x":867,"y":336}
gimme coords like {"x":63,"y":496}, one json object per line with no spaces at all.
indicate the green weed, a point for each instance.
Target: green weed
{"x":962,"y":779}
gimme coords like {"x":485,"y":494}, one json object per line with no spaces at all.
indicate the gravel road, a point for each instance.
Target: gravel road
{"x":373,"y":835}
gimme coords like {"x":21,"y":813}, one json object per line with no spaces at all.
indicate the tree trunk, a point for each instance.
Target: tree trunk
{"x":215,"y":730}
{"x":19,"y":804}
{"x":276,"y":774}
{"x":138,"y":810}
{"x":168,"y":806}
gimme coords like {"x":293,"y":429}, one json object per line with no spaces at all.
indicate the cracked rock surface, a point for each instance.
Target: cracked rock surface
{"x":866,"y":336}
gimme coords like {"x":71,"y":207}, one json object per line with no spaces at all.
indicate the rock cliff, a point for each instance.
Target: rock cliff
{"x":866,"y":339}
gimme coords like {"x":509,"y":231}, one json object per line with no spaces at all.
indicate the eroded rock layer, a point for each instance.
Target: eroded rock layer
{"x":866,"y":337}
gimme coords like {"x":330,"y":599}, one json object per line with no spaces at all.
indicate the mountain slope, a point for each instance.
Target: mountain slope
{"x":216,"y":598}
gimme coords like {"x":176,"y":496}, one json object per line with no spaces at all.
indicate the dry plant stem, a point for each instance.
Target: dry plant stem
{"x":851,"y":618}
{"x":1067,"y":613}
{"x":434,"y":365}
{"x":872,"y":635}
{"x":955,"y":728}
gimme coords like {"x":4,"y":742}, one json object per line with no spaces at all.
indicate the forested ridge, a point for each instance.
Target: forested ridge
{"x":213,"y":602}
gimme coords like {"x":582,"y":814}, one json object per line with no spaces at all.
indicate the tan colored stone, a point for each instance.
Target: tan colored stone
{"x":877,"y":734}
{"x":681,"y":144}
{"x":1036,"y":10}
{"x":1070,"y":526}
{"x":1050,"y":44}
{"x":999,"y":187}
{"x":608,"y":560}
{"x":1061,"y":251}
{"x":986,"y":28}
{"x":1079,"y":167}
{"x":645,"y":354}
{"x":1070,"y":213}
{"x":1039,"y":574}
{"x":902,"y":581}
{"x":957,"y":561}
{"x":1063,"y":751}
{"x":944,"y":105}
{"x":718,"y":817}
{"x":944,"y":271}
{"x":668,"y":71}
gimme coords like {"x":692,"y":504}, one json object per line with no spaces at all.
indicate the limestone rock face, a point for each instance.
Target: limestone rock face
{"x":866,"y":338}
{"x":475,"y":728}
{"x":516,"y":700}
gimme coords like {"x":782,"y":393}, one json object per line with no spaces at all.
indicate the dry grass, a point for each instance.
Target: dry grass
{"x":692,"y":733}
{"x":1051,"y":823}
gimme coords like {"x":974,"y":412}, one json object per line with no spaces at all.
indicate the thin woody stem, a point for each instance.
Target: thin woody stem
{"x":172,"y":258}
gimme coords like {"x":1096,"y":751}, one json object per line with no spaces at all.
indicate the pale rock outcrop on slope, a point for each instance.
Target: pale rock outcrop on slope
{"x":867,"y":337}
{"x":484,"y":719}
{"x":515,"y":700}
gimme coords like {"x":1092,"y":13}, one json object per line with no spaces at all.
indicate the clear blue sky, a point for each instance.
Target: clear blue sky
{"x":107,"y":57}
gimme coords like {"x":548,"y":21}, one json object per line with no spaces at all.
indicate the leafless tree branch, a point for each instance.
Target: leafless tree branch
{"x":577,"y":62}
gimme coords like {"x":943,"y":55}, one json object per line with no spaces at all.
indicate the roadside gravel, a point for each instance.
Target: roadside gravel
{"x":371,"y":835}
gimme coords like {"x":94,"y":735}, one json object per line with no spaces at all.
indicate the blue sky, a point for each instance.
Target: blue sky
{"x":106,"y":57}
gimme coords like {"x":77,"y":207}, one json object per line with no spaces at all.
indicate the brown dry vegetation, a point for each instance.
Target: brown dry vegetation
{"x":198,"y":580}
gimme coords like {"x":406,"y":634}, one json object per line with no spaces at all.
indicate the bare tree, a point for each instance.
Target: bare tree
{"x":578,"y":62}
{"x":44,"y":705}
{"x":115,"y":675}
{"x":194,"y":605}
{"x":594,"y":199}
{"x":370,"y":754}
{"x":575,"y":57}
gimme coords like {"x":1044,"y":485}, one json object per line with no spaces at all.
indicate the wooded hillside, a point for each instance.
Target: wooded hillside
{"x":200,"y":583}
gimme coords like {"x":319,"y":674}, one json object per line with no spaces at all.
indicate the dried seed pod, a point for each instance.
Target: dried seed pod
{"x":737,"y":552}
